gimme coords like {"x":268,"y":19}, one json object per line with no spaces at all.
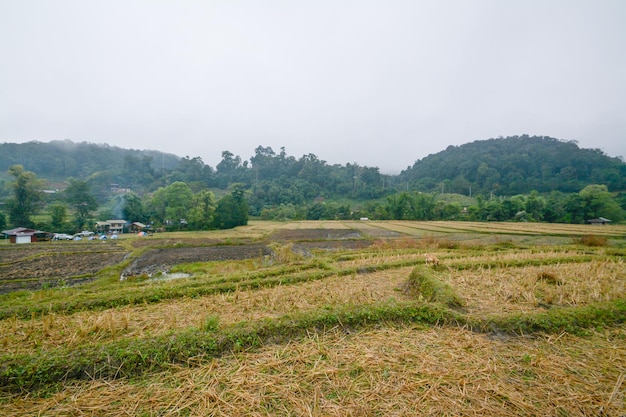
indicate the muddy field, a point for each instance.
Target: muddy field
{"x":162,"y":260}
{"x":37,"y":265}
{"x":33,"y":266}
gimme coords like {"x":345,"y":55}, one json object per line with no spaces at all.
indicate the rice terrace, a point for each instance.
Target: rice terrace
{"x":319,"y":318}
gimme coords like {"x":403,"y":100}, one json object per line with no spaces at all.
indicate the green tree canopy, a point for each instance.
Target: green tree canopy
{"x":78,"y":195}
{"x":26,"y":196}
{"x":58,"y":213}
{"x":201,"y":214}
{"x":133,"y":209}
{"x":599,"y":202}
{"x":232,"y":210}
{"x":172,"y":204}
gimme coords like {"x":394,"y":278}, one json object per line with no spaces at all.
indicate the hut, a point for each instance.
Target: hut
{"x":25,"y":235}
{"x":599,"y":220}
{"x":137,"y":227}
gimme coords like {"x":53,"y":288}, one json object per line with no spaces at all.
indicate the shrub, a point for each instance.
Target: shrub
{"x":592,"y":240}
{"x":423,"y":282}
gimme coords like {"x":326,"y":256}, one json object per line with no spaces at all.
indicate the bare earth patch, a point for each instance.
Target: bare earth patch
{"x":32,"y":266}
{"x":162,"y":260}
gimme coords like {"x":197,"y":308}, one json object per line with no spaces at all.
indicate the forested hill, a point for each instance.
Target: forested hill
{"x":516,"y":165}
{"x":505,"y":166}
{"x":61,"y":159}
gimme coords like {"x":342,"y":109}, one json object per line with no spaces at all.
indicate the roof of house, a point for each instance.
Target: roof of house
{"x":111,"y":222}
{"x":599,"y":220}
{"x":22,"y":231}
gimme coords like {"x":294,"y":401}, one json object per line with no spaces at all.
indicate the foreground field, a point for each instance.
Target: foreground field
{"x":320,"y":318}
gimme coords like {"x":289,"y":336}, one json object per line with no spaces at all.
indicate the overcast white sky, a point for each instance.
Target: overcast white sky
{"x":380,"y":83}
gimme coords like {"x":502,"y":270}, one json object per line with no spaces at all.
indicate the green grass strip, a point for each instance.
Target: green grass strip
{"x":133,"y":357}
{"x":423,"y":282}
{"x":123,"y":295}
{"x":575,"y":320}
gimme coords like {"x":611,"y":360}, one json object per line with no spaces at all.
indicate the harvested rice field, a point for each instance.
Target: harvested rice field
{"x":352,"y":318}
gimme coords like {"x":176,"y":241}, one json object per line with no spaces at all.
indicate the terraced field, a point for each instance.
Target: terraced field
{"x":319,"y":318}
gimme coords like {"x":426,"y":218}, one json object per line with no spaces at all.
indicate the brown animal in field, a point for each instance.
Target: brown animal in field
{"x":431,"y":259}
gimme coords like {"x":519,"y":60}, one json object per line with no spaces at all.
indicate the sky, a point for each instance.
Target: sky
{"x":378,"y":83}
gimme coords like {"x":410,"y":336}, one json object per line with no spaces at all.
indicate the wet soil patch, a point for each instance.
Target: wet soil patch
{"x":156,"y":241}
{"x":162,"y":260}
{"x":59,"y":265}
{"x":53,"y":268}
{"x":13,"y":253}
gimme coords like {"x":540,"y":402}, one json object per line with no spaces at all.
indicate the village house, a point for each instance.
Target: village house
{"x":137,"y":227}
{"x":599,"y":220}
{"x":25,"y":235}
{"x":111,"y":226}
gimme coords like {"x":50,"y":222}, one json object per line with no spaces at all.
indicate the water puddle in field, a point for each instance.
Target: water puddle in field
{"x":169,"y":277}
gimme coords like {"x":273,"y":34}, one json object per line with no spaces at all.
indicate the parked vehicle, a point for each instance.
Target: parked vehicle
{"x":62,"y":236}
{"x":84,"y":233}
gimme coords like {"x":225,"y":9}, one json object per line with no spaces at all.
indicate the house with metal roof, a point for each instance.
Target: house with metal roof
{"x":25,"y":235}
{"x":599,"y":220}
{"x":111,"y":226}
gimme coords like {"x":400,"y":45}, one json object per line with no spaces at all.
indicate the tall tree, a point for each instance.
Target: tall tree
{"x":172,"y":204}
{"x":132,"y":208}
{"x":78,"y":195}
{"x":599,"y":202}
{"x":58,"y":212}
{"x":232,"y":209}
{"x":201,"y":214}
{"x":26,"y":196}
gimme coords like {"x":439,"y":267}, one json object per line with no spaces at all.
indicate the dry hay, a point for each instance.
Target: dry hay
{"x":416,"y":227}
{"x":374,"y":229}
{"x":496,"y":291}
{"x":406,"y":242}
{"x":375,"y":258}
{"x":515,"y":254}
{"x":55,"y":330}
{"x":533,"y":228}
{"x":313,"y":224}
{"x":392,"y":372}
{"x":331,"y":245}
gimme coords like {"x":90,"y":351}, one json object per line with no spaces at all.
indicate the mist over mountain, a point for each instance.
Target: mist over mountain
{"x":504,"y":166}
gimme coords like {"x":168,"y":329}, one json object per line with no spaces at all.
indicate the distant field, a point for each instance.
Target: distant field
{"x":319,"y":318}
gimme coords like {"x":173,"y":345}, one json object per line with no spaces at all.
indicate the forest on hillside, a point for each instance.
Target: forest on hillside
{"x":516,"y":178}
{"x":516,"y":165}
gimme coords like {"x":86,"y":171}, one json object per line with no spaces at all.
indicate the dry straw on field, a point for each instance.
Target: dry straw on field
{"x":539,"y":287}
{"x":54,"y":330}
{"x":384,"y":365}
{"x":392,"y":371}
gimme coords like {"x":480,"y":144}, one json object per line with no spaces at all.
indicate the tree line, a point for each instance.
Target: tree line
{"x":173,"y":207}
{"x":177,"y":207}
{"x":510,"y":179}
